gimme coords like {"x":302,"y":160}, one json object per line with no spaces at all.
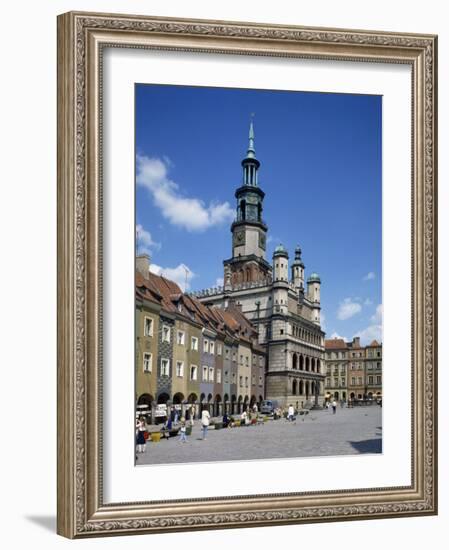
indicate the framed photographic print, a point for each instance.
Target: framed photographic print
{"x":247,"y":274}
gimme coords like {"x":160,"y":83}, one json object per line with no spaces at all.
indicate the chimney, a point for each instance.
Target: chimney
{"x":356,"y":341}
{"x":143,"y":265}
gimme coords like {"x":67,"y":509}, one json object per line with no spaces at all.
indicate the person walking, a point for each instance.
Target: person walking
{"x":205,"y":421}
{"x":140,"y":435}
{"x":334,"y":406}
{"x":182,"y":432}
{"x":290,"y":413}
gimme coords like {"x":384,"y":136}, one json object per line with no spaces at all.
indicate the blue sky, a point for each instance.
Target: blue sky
{"x":320,"y":168}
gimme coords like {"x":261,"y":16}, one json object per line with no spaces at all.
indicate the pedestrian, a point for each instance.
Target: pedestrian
{"x":334,"y":406}
{"x":225,"y":420}
{"x":205,"y":421}
{"x":244,"y":417}
{"x":290,"y":413}
{"x":255,"y":409}
{"x":140,"y":435}
{"x":175,"y":421}
{"x":182,"y":432}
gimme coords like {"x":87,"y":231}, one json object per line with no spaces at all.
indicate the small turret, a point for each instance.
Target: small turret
{"x":314,"y":296}
{"x":280,"y":264}
{"x":298,"y":271}
{"x":280,"y":280}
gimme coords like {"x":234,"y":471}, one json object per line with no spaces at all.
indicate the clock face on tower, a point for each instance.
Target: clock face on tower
{"x":239,"y":238}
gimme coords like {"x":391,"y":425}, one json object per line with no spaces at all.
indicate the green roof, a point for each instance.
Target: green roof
{"x":280,"y":250}
{"x":314,"y":278}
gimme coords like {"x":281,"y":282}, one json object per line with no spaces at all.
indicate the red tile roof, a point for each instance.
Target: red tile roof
{"x":335,"y":343}
{"x":168,"y":294}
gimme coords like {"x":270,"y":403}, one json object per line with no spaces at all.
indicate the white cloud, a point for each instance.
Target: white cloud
{"x":369,"y":276}
{"x":219,"y":281}
{"x":373,"y":331}
{"x":181,"y":275}
{"x":189,"y":213}
{"x":145,"y":240}
{"x":336,"y":335}
{"x":367,"y":335}
{"x":377,"y":317}
{"x":368,"y":302}
{"x":323,"y":321}
{"x":348,"y":309}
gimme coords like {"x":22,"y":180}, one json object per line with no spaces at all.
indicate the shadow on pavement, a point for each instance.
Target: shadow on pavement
{"x":367,"y":446}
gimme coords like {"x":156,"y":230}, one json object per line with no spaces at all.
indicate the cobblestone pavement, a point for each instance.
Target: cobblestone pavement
{"x":349,"y":431}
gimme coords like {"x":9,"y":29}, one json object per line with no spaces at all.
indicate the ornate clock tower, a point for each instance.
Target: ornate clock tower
{"x":248,"y":264}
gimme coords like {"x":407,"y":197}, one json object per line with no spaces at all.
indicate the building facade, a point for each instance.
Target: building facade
{"x":353,"y":371}
{"x":274,"y":297}
{"x":191,"y":357}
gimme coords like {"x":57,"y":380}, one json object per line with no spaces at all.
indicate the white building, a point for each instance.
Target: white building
{"x":274,"y":298}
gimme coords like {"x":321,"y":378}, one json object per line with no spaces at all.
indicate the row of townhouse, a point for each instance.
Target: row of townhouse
{"x":190,"y":356}
{"x":353,"y":371}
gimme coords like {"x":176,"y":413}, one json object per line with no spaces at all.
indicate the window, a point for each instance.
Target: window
{"x":179,"y":369}
{"x":211,"y":374}
{"x":206,"y":346}
{"x":379,"y":365}
{"x":218,"y":376}
{"x":353,"y":380}
{"x":148,"y":327}
{"x":371,"y":380}
{"x":241,"y":359}
{"x":204,"y":374}
{"x":227,"y":353}
{"x":335,"y":382}
{"x":234,"y":356}
{"x":378,"y":354}
{"x":240,"y":381}
{"x":246,"y":381}
{"x":260,"y":361}
{"x":360,"y":381}
{"x":233,"y":377}
{"x":247,"y":361}
{"x":254,"y":359}
{"x":194,"y":343}
{"x":343,"y":381}
{"x":165,"y":333}
{"x":193,"y":372}
{"x":253,"y":379}
{"x":165,"y":367}
{"x":282,"y":331}
{"x":181,"y":338}
{"x":211,"y":348}
{"x":260,"y":381}
{"x":219,"y":349}
{"x":379,"y":380}
{"x":147,"y":362}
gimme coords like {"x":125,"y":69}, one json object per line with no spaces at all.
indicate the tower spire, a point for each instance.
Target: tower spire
{"x":250,"y":163}
{"x":251,"y":153}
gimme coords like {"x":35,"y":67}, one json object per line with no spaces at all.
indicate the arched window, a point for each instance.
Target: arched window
{"x":294,"y":387}
{"x":295,"y":361}
{"x":307,"y":364}
{"x":301,"y":387}
{"x":301,"y":362}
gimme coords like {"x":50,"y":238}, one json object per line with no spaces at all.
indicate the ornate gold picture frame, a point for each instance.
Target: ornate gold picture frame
{"x":82,"y":38}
